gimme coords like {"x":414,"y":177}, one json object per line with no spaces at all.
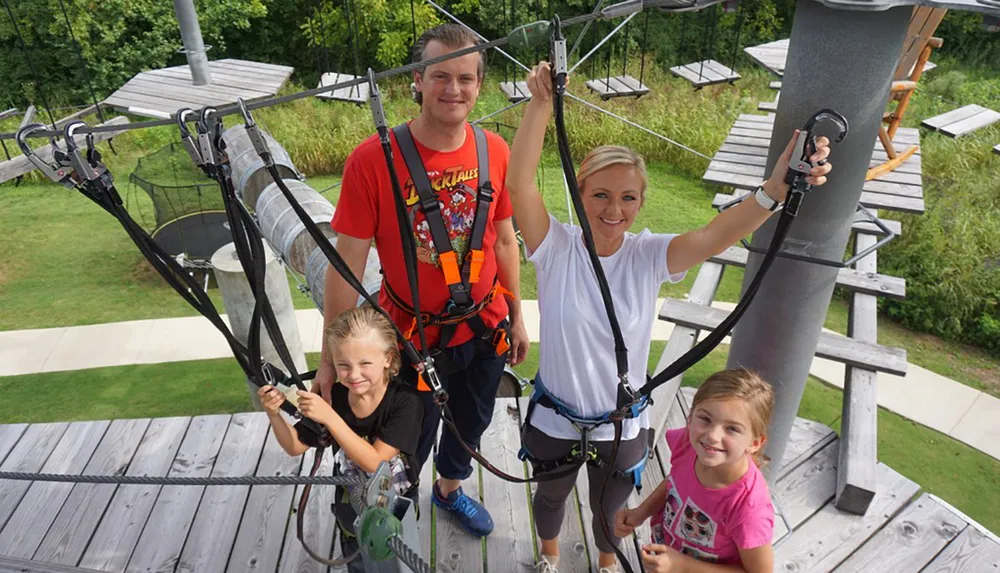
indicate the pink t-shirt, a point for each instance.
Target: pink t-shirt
{"x":711,"y":524}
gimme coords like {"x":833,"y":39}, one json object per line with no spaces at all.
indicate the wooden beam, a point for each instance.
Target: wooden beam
{"x":858,"y":458}
{"x":682,"y":339}
{"x":20,"y":165}
{"x":834,"y":347}
{"x":860,"y":224}
{"x":12,"y":565}
{"x":856,"y":280}
{"x":29,"y":116}
{"x":89,"y":110}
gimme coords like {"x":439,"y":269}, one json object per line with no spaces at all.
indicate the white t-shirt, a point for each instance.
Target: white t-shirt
{"x":576,"y":346}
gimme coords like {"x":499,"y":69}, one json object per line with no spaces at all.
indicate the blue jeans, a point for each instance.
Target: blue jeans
{"x":472,"y":389}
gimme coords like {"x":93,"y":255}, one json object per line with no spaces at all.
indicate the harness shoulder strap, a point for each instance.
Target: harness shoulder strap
{"x":484,"y":197}
{"x":429,"y":205}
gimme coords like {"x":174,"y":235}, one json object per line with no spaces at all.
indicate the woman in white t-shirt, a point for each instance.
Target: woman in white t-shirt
{"x":577,"y":363}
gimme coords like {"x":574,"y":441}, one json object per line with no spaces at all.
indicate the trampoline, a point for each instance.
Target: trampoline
{"x":197,"y":235}
{"x":190,"y":218}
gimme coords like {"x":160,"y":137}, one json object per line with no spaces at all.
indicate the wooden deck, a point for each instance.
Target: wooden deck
{"x":160,"y":93}
{"x":772,"y":56}
{"x":54,"y":527}
{"x":741,"y":160}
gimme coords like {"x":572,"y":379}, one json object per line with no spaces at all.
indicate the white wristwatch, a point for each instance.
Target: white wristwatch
{"x":765,"y":200}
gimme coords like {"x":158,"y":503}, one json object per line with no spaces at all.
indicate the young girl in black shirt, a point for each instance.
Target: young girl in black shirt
{"x":371,"y":419}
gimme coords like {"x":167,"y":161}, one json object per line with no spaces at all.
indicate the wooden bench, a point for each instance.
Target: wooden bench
{"x":706,"y":73}
{"x":355,"y":94}
{"x":515,"y":91}
{"x":962,"y":121}
{"x":617,"y":86}
{"x":832,"y":346}
{"x":861,"y":224}
{"x":869,"y":282}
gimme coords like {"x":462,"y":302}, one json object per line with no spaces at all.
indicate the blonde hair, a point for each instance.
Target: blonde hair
{"x":600,"y":158}
{"x":750,"y":389}
{"x":365,"y":322}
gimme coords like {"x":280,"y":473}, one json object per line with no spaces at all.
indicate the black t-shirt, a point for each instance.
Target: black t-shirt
{"x":396,"y":421}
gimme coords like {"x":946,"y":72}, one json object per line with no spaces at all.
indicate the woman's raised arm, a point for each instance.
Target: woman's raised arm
{"x":529,"y":209}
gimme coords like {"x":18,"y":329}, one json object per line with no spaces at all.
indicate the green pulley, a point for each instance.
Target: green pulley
{"x":377,"y":526}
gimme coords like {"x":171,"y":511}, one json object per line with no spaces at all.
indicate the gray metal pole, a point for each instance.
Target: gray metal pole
{"x":842,"y":60}
{"x":194,"y":47}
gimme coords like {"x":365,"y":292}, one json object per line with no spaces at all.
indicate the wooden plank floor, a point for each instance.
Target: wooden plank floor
{"x":740,"y":163}
{"x":160,"y":93}
{"x":236,"y":529}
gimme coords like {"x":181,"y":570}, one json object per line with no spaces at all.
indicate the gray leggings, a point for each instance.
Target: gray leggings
{"x":549,"y":502}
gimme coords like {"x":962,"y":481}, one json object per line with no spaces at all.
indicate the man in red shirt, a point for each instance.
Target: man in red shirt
{"x":470,"y":363}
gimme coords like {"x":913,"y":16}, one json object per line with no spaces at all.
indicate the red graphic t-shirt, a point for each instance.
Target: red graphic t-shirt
{"x":366,"y":210}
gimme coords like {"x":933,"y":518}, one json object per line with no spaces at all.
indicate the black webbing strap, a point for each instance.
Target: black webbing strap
{"x":103,"y":193}
{"x":484,"y":198}
{"x":621,"y":351}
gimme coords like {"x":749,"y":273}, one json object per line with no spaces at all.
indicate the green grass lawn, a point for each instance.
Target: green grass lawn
{"x":52,"y":274}
{"x":959,"y":474}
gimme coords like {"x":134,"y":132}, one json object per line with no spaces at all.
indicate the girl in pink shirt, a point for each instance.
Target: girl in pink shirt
{"x":713,"y":513}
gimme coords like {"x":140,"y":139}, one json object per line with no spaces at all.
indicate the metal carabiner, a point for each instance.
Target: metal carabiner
{"x":61,"y":173}
{"x":79,"y":162}
{"x":799,"y":165}
{"x":378,"y":111}
{"x":93,"y":155}
{"x":253,"y":132}
{"x":560,"y":67}
{"x":205,"y":142}
{"x":186,"y":138}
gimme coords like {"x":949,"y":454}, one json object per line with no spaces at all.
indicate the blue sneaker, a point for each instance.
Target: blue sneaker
{"x":470,"y":513}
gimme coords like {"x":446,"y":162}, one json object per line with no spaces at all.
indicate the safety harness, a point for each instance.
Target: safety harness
{"x":459,"y":276}
{"x":584,"y":452}
{"x":630,"y":403}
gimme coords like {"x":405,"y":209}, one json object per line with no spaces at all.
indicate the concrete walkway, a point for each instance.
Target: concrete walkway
{"x":951,"y":408}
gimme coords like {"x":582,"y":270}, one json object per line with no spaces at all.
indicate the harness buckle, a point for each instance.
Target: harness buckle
{"x":476,"y":259}
{"x":429,"y":377}
{"x":449,"y":264}
{"x":500,"y":342}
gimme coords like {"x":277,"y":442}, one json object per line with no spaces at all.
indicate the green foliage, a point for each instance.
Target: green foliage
{"x":376,"y":33}
{"x":965,"y":38}
{"x":949,"y":255}
{"x":117,"y":39}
